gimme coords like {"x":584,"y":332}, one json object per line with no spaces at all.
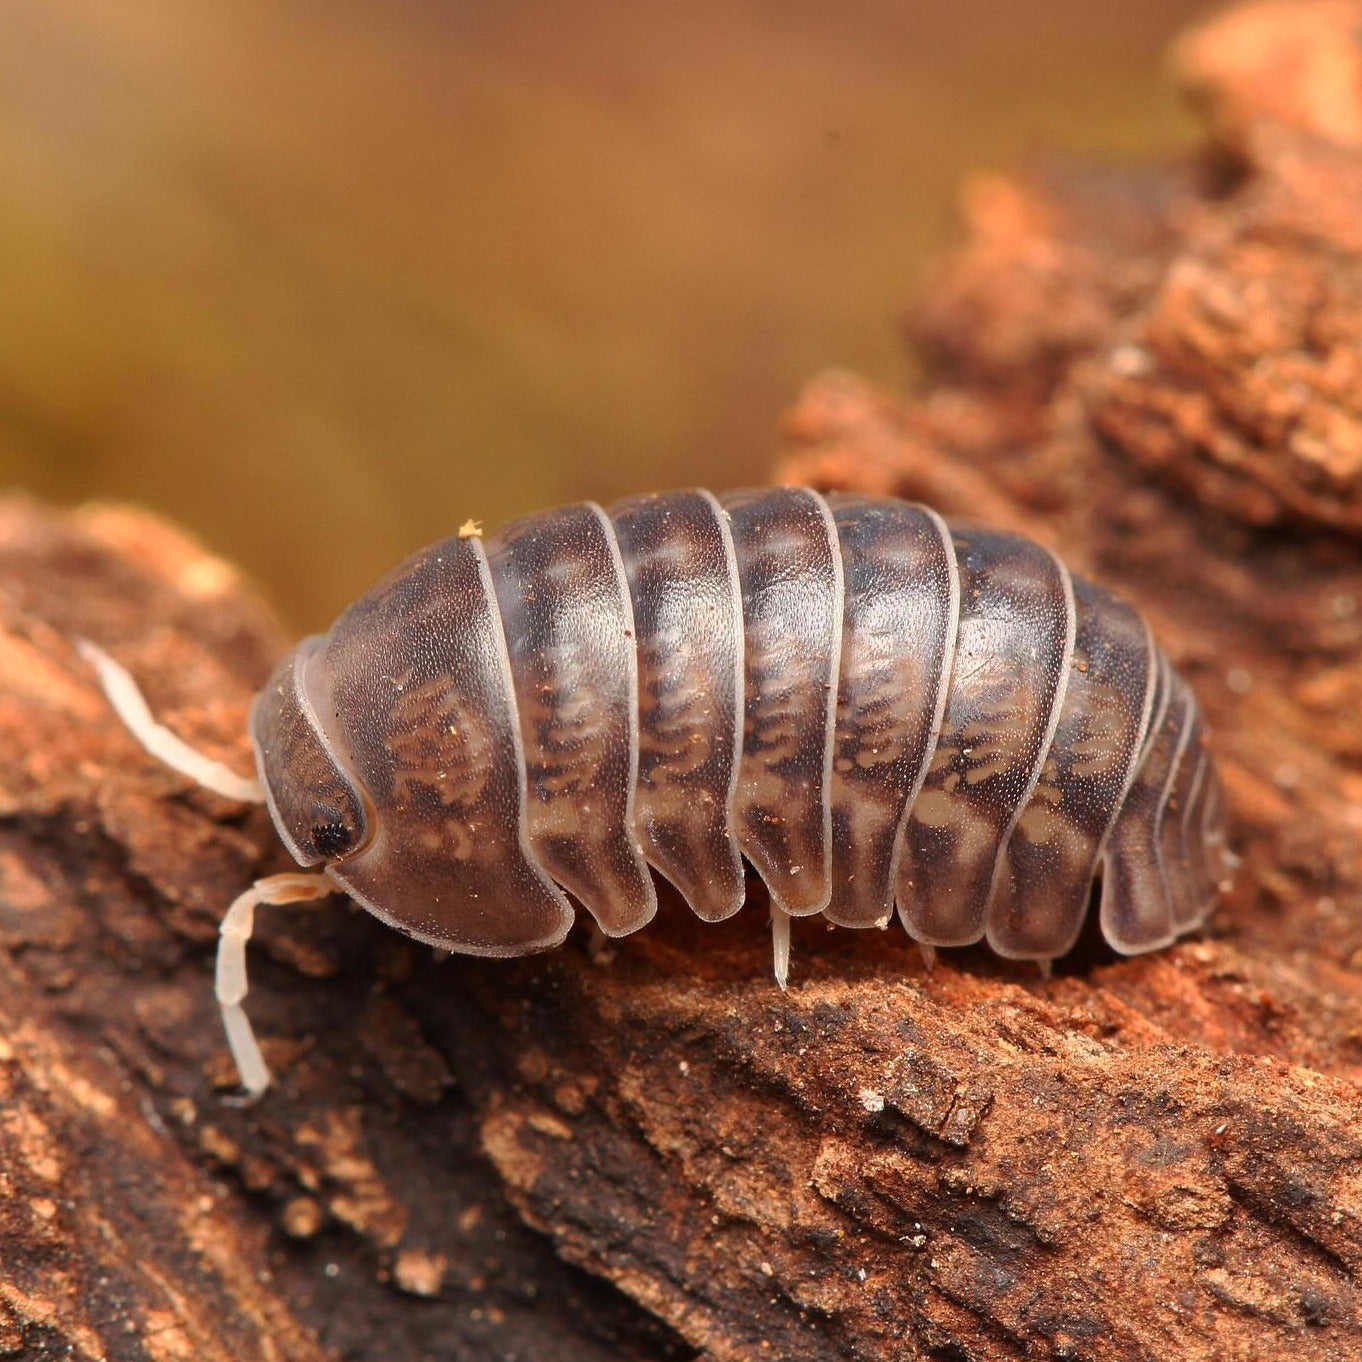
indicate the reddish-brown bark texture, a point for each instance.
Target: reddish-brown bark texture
{"x":652,"y":1153}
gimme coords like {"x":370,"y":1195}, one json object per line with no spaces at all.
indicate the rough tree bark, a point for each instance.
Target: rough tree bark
{"x":656,"y":1155}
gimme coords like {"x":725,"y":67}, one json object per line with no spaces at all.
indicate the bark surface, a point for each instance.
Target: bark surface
{"x":651,"y":1153}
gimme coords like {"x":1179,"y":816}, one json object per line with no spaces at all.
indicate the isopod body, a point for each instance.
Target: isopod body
{"x":874,"y":707}
{"x":869,"y":704}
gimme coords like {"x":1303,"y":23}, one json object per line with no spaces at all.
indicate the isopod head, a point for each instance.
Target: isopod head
{"x":316,"y":805}
{"x":390,"y":756}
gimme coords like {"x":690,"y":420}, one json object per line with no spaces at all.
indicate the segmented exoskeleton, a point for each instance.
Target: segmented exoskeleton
{"x":874,"y":707}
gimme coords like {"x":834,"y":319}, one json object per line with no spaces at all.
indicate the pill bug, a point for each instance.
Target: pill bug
{"x":874,"y":707}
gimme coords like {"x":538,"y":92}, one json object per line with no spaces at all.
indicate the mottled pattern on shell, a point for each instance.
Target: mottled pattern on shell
{"x":877,"y":709}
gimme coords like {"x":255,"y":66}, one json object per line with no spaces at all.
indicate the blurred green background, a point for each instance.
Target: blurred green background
{"x":323,"y":280}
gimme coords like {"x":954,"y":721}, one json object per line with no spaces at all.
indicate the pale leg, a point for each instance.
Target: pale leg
{"x":235,"y":932}
{"x":780,"y":942}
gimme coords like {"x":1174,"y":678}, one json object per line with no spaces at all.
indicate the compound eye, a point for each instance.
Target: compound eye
{"x":333,"y":833}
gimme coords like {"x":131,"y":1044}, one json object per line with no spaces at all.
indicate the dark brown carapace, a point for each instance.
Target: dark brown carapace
{"x":876,"y":708}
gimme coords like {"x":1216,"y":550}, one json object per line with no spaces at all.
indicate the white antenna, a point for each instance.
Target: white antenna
{"x":164,"y":745}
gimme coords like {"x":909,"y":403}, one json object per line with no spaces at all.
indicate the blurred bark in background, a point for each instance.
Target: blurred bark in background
{"x":320,"y":281}
{"x":656,"y":1155}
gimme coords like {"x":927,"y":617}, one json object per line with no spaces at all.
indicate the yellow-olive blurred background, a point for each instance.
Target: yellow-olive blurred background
{"x":321,"y":280}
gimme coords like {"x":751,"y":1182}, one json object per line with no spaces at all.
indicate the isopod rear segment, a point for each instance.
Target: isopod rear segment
{"x":877,"y":709}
